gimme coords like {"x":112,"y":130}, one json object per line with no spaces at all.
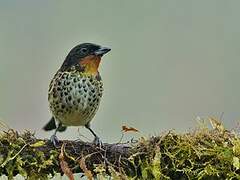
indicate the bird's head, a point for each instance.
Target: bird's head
{"x":85,"y":58}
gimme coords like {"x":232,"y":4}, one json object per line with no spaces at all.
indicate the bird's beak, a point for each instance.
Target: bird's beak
{"x":101,"y":51}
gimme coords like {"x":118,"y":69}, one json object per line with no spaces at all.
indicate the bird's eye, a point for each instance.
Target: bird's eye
{"x":84,"y":50}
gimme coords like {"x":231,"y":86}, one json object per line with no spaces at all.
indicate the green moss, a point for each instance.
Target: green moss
{"x":22,"y":159}
{"x":202,"y":154}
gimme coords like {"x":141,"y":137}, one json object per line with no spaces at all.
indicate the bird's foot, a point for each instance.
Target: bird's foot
{"x":54,"y":140}
{"x":97,"y":142}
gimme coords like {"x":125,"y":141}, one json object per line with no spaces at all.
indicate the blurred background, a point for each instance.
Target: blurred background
{"x":171,"y":61}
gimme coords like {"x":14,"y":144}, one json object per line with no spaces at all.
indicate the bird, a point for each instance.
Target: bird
{"x":76,"y":90}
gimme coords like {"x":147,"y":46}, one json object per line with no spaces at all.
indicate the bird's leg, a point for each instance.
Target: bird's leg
{"x":54,"y":138}
{"x":96,"y":140}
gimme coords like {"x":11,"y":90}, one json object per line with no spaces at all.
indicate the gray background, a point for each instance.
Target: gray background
{"x":171,"y":61}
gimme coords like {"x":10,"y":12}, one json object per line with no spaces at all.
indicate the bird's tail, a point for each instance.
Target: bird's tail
{"x":51,"y":125}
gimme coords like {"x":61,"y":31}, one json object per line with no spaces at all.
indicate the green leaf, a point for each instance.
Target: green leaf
{"x":236,"y":162}
{"x":38,"y":144}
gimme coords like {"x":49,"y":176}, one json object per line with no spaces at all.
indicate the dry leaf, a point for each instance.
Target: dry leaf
{"x":83,"y":166}
{"x":129,"y":129}
{"x":216,"y":124}
{"x":64,"y":165}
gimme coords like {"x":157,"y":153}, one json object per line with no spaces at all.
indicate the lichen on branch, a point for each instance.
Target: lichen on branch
{"x":200,"y":154}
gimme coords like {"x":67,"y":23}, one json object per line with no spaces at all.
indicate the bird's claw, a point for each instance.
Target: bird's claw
{"x":54,"y":140}
{"x":98,"y":142}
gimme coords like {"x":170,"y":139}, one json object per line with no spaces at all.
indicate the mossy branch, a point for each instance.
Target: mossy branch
{"x":202,"y":154}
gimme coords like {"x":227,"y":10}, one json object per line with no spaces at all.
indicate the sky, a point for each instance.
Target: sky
{"x":171,"y":62}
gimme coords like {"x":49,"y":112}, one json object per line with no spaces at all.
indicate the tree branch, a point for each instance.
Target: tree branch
{"x":200,"y":154}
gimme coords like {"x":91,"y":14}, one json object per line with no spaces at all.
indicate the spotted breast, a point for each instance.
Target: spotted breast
{"x":74,"y":97}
